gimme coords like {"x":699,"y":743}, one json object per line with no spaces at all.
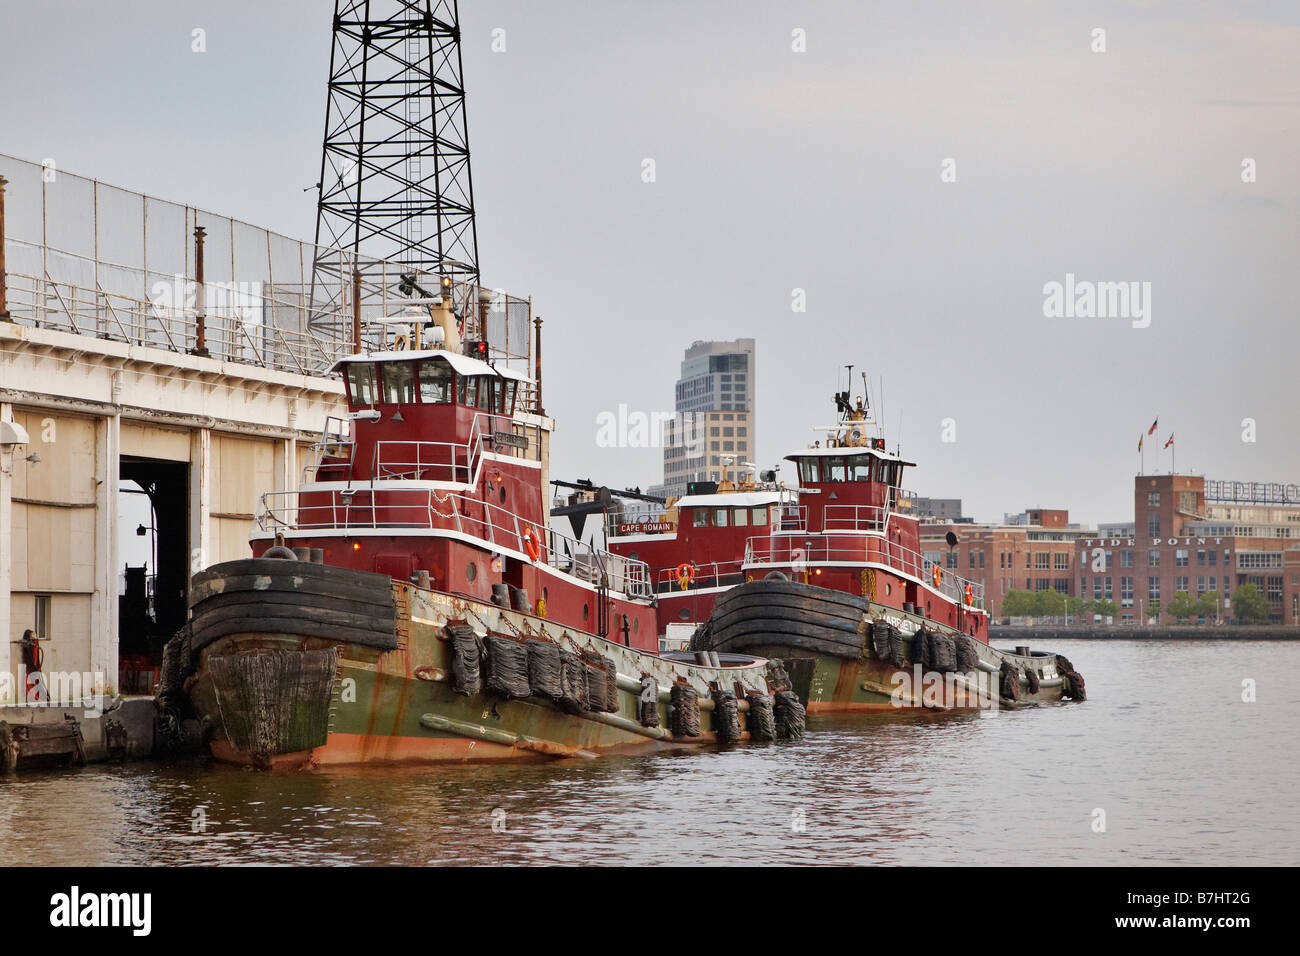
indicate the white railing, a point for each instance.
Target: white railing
{"x":367,"y":507}
{"x":398,"y":460}
{"x":806,"y":550}
{"x":855,"y":518}
{"x":711,"y":574}
{"x":792,"y":517}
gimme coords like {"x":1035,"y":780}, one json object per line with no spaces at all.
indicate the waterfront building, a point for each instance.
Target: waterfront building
{"x":1199,"y":537}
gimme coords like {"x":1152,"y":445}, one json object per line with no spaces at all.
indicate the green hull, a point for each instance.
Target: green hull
{"x":279,"y":697}
{"x":835,"y":647}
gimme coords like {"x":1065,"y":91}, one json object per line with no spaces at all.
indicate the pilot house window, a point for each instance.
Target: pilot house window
{"x":399,"y":383}
{"x":435,"y":383}
{"x":361,"y":383}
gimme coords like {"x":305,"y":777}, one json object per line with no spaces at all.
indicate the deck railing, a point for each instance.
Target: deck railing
{"x":708,"y":575}
{"x":800,"y":551}
{"x":373,"y":507}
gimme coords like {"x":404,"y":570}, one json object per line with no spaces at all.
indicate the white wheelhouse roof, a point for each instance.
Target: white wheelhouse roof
{"x":739,"y":499}
{"x":463,"y":364}
{"x":847,"y":453}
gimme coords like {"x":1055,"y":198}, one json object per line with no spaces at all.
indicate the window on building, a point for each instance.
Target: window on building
{"x":1180,"y":558}
{"x":41,"y":617}
{"x":1153,"y":499}
{"x":1180,"y":583}
{"x":719,"y":517}
{"x":1153,"y":525}
{"x":1126,"y":592}
{"x":1153,"y":558}
{"x":1061,"y":561}
{"x":981,"y":560}
{"x":1153,"y":589}
{"x":1126,"y":559}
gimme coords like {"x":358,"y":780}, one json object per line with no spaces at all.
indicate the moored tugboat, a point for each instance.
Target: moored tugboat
{"x":409,"y":603}
{"x":837,"y":586}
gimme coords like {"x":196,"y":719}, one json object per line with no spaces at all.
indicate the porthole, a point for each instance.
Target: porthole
{"x":636,"y":625}
{"x":585,"y":611}
{"x":685,"y":614}
{"x":889,"y":589}
{"x":471,"y":571}
{"x":503,"y":494}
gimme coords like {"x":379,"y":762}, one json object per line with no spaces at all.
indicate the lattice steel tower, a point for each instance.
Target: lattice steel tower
{"x":395,"y":175}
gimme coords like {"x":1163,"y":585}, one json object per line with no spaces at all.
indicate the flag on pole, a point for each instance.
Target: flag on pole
{"x":1171,"y":440}
{"x":1140,"y":437}
{"x":1152,"y":429}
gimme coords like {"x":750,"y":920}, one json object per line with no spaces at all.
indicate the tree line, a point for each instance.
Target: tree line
{"x":1248,"y":606}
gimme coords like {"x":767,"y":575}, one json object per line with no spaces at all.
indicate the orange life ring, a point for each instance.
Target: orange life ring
{"x":532,"y":544}
{"x":685,"y":574}
{"x":937,"y":575}
{"x":970,"y":595}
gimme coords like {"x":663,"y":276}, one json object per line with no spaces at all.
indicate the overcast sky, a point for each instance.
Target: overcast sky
{"x":779,"y":170}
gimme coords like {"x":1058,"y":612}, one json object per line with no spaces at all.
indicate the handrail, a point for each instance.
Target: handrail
{"x":804,"y":550}
{"x":371,"y":507}
{"x":709,"y":574}
{"x":856,"y":518}
{"x":481,"y":431}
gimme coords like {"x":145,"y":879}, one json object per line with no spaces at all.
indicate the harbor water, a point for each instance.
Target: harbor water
{"x":1166,"y":763}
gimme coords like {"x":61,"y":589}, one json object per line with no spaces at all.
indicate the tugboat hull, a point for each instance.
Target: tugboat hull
{"x":411,"y":675}
{"x":848,"y":654}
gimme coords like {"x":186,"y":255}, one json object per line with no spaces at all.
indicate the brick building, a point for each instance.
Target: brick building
{"x":1186,"y":541}
{"x":1023,"y":557}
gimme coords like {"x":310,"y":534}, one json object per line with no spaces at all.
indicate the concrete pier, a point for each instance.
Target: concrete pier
{"x":135,"y":715}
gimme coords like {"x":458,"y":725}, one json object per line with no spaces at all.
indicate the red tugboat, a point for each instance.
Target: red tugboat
{"x":695,"y":549}
{"x":836,"y":584}
{"x":410,"y":603}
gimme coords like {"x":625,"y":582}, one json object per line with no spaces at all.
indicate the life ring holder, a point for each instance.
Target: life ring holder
{"x":685,"y":574}
{"x":936,"y":575}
